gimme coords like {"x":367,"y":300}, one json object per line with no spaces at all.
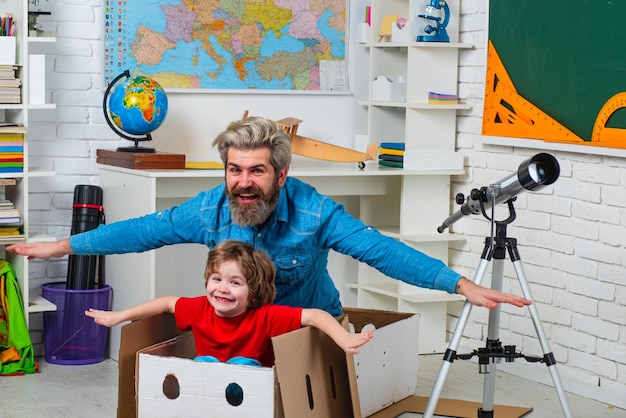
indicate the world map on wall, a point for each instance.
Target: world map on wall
{"x":212,"y":44}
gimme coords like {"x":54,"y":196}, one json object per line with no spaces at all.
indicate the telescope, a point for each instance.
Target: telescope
{"x":533,"y":174}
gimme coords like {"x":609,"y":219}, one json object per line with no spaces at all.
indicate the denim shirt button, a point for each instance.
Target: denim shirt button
{"x":258,"y":235}
{"x":294,"y":262}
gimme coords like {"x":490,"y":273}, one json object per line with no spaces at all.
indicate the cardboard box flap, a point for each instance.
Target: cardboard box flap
{"x":385,"y":370}
{"x":360,"y":317}
{"x":182,"y":345}
{"x":312,"y":375}
{"x":136,"y":336}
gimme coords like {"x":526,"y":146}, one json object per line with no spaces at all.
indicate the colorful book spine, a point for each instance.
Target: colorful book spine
{"x":393,"y":145}
{"x":390,"y":151}
{"x":394,"y":164}
{"x":12,"y":169}
{"x":11,"y":149}
{"x":388,"y":157}
{"x":11,"y":138}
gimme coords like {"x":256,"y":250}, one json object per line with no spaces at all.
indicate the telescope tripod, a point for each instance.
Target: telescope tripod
{"x":496,"y":247}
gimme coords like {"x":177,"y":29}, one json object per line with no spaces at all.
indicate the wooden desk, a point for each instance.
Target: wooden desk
{"x":378,"y":195}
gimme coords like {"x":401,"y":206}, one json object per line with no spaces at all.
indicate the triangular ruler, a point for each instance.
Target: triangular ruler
{"x":508,"y":114}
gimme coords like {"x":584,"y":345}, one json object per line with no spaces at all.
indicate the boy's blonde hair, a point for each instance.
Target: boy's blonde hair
{"x":256,"y":266}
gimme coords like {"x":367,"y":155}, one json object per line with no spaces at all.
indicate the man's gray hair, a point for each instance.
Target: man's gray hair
{"x":256,"y":132}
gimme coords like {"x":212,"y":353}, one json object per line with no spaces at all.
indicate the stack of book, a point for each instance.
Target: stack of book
{"x":439,"y":98}
{"x":391,"y":154}
{"x":10,"y":85}
{"x":11,"y":149}
{"x":10,"y":218}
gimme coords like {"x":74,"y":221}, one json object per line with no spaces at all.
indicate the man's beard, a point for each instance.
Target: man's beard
{"x":253,"y":214}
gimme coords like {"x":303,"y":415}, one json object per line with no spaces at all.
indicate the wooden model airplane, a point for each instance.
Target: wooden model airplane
{"x":320,"y":150}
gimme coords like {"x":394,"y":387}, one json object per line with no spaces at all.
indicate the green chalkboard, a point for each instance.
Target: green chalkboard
{"x":567,"y":57}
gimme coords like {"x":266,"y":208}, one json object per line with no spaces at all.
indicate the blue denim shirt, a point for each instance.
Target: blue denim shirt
{"x":298,"y":236}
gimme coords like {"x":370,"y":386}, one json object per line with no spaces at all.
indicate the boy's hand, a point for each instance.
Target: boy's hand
{"x":352,"y":342}
{"x":106,"y":318}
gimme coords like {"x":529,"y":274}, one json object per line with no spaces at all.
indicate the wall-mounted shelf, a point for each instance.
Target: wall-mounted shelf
{"x":550,"y":146}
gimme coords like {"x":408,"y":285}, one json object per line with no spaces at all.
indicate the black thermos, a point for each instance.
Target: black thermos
{"x":87,"y":214}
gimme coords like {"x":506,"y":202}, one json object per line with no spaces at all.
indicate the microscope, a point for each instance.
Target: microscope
{"x":436,"y":33}
{"x":35,"y":28}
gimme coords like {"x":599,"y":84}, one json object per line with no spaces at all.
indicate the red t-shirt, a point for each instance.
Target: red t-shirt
{"x":248,"y":335}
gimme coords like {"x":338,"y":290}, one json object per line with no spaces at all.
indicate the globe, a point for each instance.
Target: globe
{"x":135,"y":108}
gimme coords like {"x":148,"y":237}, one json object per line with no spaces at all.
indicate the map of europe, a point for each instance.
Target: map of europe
{"x":227,"y":44}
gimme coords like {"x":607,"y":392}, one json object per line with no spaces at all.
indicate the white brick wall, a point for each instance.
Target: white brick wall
{"x":570,"y":235}
{"x":65,"y":140}
{"x":572,"y":244}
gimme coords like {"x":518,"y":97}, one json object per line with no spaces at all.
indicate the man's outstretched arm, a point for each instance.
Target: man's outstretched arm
{"x":33,"y":250}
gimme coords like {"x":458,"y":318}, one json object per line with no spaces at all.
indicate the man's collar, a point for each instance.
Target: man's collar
{"x":282,"y":209}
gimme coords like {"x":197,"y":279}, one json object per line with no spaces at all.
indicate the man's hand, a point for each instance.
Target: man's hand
{"x":42,"y":249}
{"x":489,"y":298}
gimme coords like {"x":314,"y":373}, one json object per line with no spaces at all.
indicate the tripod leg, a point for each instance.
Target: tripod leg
{"x":450,"y":354}
{"x":493,"y":334}
{"x":545,"y":347}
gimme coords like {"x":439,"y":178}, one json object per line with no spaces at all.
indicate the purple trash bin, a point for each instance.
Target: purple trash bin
{"x":69,"y":336}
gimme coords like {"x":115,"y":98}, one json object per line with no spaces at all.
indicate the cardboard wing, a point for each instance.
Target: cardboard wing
{"x":312,"y":375}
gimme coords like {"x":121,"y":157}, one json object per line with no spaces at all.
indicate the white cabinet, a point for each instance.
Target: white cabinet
{"x":18,"y":114}
{"x":429,"y":134}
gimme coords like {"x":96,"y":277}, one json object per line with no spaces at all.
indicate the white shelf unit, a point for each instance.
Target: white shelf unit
{"x":19,"y":114}
{"x":429,"y":134}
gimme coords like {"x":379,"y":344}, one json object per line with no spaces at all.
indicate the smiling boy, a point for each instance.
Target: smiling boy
{"x":235,"y":321}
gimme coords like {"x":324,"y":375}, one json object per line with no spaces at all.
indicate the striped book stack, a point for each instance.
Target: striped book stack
{"x":11,"y":222}
{"x":439,"y":98}
{"x":391,"y":154}
{"x":10,"y":85}
{"x":11,"y":150}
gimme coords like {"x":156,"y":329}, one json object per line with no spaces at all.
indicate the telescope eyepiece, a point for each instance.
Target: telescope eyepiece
{"x":541,"y":170}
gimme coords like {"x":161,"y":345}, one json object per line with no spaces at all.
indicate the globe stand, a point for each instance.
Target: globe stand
{"x":135,"y":139}
{"x":137,"y":148}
